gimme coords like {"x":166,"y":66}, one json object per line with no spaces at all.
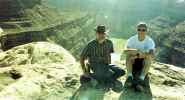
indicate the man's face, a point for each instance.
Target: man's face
{"x":100,"y":35}
{"x":141,"y":30}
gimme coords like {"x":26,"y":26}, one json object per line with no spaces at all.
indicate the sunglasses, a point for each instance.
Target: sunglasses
{"x":141,"y":30}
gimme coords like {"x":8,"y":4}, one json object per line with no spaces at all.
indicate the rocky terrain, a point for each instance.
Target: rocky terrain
{"x":38,"y":71}
{"x":46,"y":71}
{"x":41,"y":47}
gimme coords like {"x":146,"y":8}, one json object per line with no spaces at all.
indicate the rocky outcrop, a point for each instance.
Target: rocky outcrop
{"x":169,"y":37}
{"x":60,"y":33}
{"x":45,"y":71}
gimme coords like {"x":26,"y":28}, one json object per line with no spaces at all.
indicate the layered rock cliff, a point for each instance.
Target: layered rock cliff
{"x":24,"y":22}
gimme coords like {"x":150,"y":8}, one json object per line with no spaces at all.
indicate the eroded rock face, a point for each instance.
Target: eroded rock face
{"x":33,"y":20}
{"x":48,"y":72}
{"x":13,"y":8}
{"x":169,"y":37}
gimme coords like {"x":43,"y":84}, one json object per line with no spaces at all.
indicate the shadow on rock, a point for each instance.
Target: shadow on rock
{"x":87,"y":92}
{"x":96,"y":91}
{"x":130,"y":93}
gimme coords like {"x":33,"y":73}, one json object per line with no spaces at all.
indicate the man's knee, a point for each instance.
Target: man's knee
{"x":148,"y":61}
{"x":122,"y":72}
{"x":118,"y":71}
{"x":130,"y":60}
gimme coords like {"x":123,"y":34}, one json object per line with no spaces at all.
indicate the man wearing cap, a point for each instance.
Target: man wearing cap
{"x":139,"y":47}
{"x":97,"y":52}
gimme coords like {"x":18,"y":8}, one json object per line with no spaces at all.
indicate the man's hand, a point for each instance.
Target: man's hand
{"x":85,"y":69}
{"x":150,"y":54}
{"x":83,"y":65}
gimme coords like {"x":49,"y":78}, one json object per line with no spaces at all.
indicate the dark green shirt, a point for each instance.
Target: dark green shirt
{"x":98,"y":53}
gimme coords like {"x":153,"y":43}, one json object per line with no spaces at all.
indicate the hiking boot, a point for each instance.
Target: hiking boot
{"x":140,"y":88}
{"x":129,"y":81}
{"x":141,"y":82}
{"x":140,"y":85}
{"x":117,"y":86}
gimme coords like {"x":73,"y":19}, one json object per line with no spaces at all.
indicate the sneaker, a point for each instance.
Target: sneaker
{"x":141,"y":82}
{"x":140,"y":85}
{"x":129,"y":81}
{"x":140,"y":88}
{"x":117,"y":86}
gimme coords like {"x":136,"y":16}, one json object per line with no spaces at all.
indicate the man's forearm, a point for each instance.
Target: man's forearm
{"x":129,"y":49}
{"x":82,"y":62}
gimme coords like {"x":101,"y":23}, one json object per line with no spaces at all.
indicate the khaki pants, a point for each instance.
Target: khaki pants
{"x":130,"y":60}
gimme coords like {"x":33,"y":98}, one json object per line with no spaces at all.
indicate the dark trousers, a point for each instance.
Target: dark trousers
{"x":137,"y":67}
{"x":104,"y":72}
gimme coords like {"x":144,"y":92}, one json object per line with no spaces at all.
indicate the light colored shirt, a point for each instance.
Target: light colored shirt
{"x":144,"y":46}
